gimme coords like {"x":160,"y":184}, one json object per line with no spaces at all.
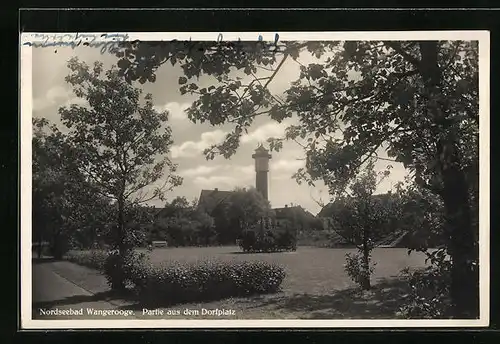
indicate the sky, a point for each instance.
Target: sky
{"x":50,"y":92}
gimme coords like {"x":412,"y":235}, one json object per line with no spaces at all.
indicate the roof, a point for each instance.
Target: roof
{"x":209,"y":199}
{"x":326,"y":210}
{"x":288,"y":211}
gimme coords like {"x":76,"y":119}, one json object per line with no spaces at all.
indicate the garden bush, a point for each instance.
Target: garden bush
{"x":182,"y":282}
{"x":286,"y":240}
{"x":430,"y":288}
{"x":204,"y":281}
{"x":429,"y":296}
{"x":60,"y":246}
{"x":268,"y":242}
{"x":115,"y":267}
{"x":94,"y":259}
{"x":357,"y":271}
{"x":248,"y":241}
{"x":123,"y":268}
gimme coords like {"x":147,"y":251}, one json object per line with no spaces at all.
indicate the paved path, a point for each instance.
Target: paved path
{"x":52,"y":291}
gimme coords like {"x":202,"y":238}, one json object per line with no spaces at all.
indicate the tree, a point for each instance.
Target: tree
{"x":184,"y":224}
{"x":299,"y":218}
{"x":247,"y":208}
{"x":243,"y":209}
{"x":358,"y":219}
{"x":66,"y":210}
{"x":179,"y":207}
{"x":417,"y":99}
{"x":49,"y":196}
{"x":222,"y":223}
{"x":389,"y":204}
{"x":119,"y":141}
{"x":422,"y":216}
{"x":205,"y":227}
{"x":177,"y":222}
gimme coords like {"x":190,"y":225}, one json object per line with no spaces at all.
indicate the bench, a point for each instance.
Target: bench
{"x":159,"y":243}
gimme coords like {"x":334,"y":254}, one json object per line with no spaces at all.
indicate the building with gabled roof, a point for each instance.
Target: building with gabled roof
{"x":210,"y":199}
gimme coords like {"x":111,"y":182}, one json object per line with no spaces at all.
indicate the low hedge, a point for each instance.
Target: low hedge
{"x":184,"y":282}
{"x":94,"y":259}
{"x":205,"y":281}
{"x":268,"y":242}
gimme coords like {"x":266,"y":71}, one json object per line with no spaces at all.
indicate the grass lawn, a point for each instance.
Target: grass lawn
{"x":309,"y":270}
{"x":316,"y":285}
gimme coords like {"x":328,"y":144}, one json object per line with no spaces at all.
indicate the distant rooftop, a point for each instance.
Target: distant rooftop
{"x":289,"y":210}
{"x":210,"y":199}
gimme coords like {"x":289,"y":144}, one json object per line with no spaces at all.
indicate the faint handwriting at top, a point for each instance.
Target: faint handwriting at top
{"x":107,"y":42}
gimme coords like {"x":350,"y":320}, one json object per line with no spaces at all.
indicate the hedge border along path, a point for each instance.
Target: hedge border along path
{"x":192,"y":282}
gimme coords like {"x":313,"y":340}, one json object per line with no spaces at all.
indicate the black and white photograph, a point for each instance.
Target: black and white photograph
{"x":276,"y":179}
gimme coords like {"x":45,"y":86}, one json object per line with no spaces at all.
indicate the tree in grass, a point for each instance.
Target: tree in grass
{"x":120,"y":144}
{"x":358,"y":217}
{"x":222,"y":224}
{"x":247,"y":209}
{"x":184,"y":224}
{"x":389,"y":204}
{"x":48,"y":189}
{"x":205,"y":227}
{"x":66,"y":209}
{"x":418,"y":100}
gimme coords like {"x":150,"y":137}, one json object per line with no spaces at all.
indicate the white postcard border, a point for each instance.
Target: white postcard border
{"x":27,"y":323}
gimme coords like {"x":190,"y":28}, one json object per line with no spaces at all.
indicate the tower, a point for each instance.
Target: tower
{"x":261,"y":157}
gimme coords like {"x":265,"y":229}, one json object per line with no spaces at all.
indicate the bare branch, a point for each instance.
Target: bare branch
{"x":277,"y":70}
{"x":318,"y":202}
{"x":265,"y":68}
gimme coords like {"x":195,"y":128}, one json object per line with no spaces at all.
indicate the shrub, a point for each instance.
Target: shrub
{"x":287,"y":241}
{"x":357,"y":271}
{"x":269,"y":242}
{"x":41,"y":250}
{"x":176,"y":282}
{"x":123,"y":268}
{"x":94,"y":259}
{"x":204,"y":281}
{"x":429,"y":296}
{"x":60,"y":246}
{"x":248,"y":241}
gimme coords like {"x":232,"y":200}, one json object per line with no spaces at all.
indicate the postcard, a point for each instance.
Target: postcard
{"x":241,"y":180}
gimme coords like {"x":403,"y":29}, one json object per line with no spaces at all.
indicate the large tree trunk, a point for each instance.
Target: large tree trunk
{"x":118,"y":282}
{"x":462,"y":239}
{"x":40,"y":239}
{"x":366,"y":284}
{"x":462,"y":246}
{"x":121,"y":226}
